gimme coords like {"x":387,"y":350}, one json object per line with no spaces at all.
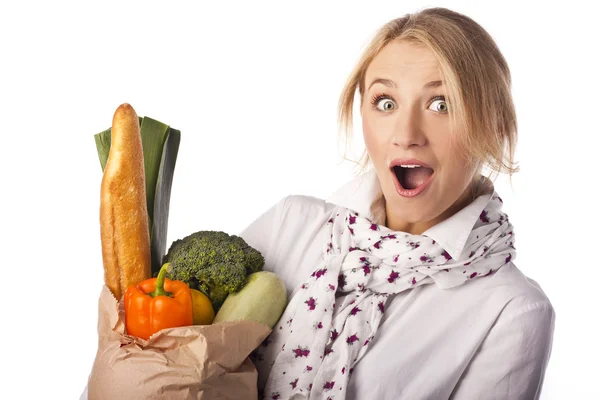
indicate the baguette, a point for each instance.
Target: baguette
{"x":123,"y":212}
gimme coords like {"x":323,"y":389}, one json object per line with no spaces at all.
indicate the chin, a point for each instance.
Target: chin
{"x":422,"y":208}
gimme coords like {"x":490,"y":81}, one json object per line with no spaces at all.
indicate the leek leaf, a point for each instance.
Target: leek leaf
{"x":103,"y":145}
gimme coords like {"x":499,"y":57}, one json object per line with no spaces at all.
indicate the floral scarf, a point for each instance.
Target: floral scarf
{"x":333,"y":317}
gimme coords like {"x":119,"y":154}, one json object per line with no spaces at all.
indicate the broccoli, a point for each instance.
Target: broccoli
{"x":213,"y":262}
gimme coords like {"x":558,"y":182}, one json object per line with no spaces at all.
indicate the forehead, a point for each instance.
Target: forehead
{"x":404,"y":62}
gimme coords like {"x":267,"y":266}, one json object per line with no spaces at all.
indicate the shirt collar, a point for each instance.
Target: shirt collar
{"x":363,"y":195}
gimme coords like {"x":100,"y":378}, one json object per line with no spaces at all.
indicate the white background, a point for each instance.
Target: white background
{"x":253,"y":87}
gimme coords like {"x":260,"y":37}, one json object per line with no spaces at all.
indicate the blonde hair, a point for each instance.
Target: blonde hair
{"x":477,"y":78}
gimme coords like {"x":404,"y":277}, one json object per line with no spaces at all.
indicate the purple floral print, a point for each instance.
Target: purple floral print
{"x":364,"y":263}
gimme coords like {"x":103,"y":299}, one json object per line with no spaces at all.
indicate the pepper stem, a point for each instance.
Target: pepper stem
{"x":159,"y":289}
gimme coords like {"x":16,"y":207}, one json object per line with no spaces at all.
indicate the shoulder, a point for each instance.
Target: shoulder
{"x":305,"y":202}
{"x":506,"y":298}
{"x":520,"y":298}
{"x":306,"y":206}
{"x":293,"y":211}
{"x":519,"y":288}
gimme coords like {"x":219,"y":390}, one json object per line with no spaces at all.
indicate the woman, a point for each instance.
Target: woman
{"x":403,"y":284}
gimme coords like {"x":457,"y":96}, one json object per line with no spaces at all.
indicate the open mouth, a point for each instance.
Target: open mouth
{"x":412,"y":177}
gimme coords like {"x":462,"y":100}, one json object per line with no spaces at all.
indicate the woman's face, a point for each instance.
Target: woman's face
{"x":404,"y":117}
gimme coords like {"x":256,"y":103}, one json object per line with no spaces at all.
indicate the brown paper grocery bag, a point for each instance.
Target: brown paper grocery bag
{"x":195,"y":362}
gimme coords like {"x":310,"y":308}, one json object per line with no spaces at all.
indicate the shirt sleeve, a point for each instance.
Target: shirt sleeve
{"x":84,"y":395}
{"x":261,"y":232}
{"x":511,"y":362}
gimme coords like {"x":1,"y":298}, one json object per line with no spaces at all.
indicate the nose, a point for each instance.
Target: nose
{"x":408,"y":132}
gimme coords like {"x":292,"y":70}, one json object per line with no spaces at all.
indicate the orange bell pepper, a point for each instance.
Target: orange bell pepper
{"x":157,"y":303}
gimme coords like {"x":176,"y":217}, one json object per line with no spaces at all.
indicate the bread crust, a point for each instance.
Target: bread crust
{"x":123,"y":212}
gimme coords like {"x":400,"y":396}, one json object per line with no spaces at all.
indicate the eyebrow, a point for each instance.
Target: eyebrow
{"x":392,"y":84}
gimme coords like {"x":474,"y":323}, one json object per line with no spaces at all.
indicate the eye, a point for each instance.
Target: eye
{"x":442,"y":105}
{"x":383,"y":103}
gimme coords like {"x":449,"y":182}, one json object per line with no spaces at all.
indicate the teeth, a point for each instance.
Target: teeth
{"x":410,"y":166}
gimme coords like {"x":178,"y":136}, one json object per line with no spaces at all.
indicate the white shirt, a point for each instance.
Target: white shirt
{"x":488,"y":339}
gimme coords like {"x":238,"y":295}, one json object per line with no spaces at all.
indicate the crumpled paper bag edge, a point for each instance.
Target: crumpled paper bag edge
{"x":111,"y":329}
